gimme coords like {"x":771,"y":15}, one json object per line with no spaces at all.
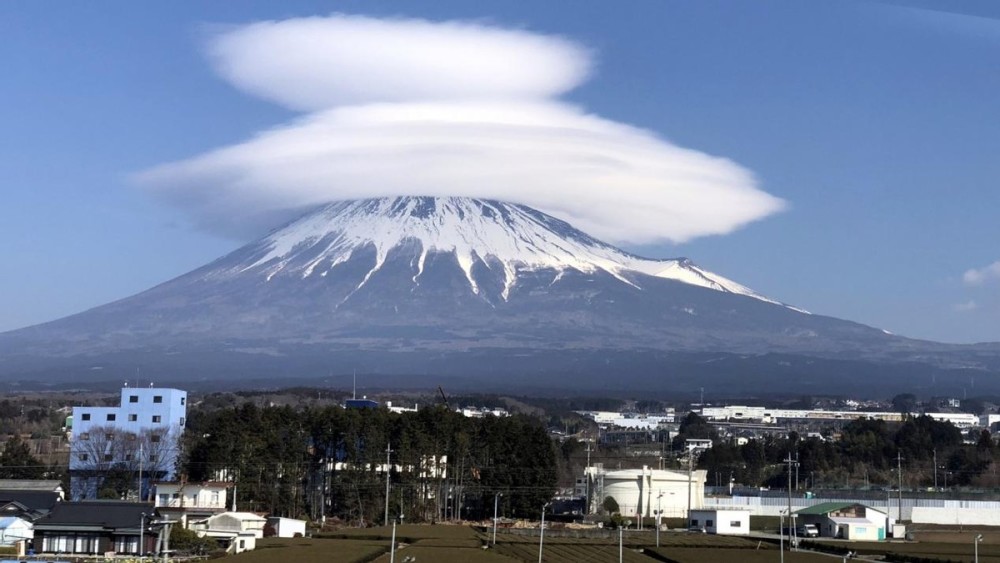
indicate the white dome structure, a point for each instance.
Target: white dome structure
{"x":645,"y":491}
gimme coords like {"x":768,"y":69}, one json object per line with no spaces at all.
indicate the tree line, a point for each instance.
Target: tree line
{"x":866,"y":451}
{"x":330,"y":461}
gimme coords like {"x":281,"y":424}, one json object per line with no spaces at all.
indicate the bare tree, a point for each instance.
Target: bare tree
{"x":109,"y":460}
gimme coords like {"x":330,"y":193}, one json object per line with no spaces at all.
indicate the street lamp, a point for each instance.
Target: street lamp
{"x":621,"y":552}
{"x":496,"y":504}
{"x":975,"y":547}
{"x":781,"y":534}
{"x":541,"y":533}
{"x":659,"y":516}
{"x":392,"y":546}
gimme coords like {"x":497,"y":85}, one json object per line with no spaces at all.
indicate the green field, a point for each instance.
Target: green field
{"x":465,"y":544}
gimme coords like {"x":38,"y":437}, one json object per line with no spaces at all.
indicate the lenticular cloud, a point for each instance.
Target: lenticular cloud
{"x":410,"y":107}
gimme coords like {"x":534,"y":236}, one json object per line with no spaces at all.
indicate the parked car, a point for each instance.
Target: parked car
{"x":804,"y":531}
{"x":697,"y":529}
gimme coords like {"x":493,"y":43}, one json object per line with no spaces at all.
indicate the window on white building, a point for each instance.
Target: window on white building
{"x":133,"y":417}
{"x":109,"y":437}
{"x":181,"y":422}
{"x":155,"y":438}
{"x":157,"y":418}
{"x":108,"y":457}
{"x":157,"y":398}
{"x":84,"y":436}
{"x":111,"y":417}
{"x":215,"y":498}
{"x":183,"y":400}
{"x":84,"y":457}
{"x":736,"y":524}
{"x":85,"y":416}
{"x":133,"y":398}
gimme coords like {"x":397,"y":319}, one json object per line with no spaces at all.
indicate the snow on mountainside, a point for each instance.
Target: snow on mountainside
{"x":513,"y":237}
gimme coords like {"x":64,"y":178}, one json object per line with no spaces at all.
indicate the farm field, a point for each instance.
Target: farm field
{"x":945,"y":551}
{"x":695,"y":555}
{"x":310,"y":550}
{"x":453,"y":543}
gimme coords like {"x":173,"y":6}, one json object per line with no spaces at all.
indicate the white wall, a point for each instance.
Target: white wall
{"x":954,"y":515}
{"x":722,"y":521}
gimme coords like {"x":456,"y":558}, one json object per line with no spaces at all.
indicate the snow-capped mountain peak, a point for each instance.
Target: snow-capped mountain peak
{"x":512,"y":237}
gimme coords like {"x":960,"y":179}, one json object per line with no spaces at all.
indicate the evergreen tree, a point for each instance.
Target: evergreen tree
{"x":16,"y":461}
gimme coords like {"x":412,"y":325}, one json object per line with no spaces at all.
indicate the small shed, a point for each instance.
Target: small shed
{"x":722,"y":521}
{"x":845,"y":520}
{"x":287,"y":527}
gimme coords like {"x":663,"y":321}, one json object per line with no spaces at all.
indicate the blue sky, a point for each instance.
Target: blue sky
{"x":876,"y":123}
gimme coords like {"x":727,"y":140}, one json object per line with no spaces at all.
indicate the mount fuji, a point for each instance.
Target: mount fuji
{"x":481,"y":292}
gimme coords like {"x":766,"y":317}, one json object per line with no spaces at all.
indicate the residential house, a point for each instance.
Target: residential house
{"x":733,"y":522}
{"x":235,"y":531}
{"x":14,"y":531}
{"x":188,"y":502}
{"x":845,"y":520}
{"x":139,"y":436}
{"x":95,"y":527}
{"x":39,"y":485}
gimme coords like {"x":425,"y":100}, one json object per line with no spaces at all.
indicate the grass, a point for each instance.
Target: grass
{"x":308,"y":550}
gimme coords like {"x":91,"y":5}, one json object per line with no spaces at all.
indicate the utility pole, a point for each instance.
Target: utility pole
{"x":387,"y":452}
{"x":140,"y":473}
{"x":935,"y":470}
{"x":791,"y":519}
{"x":796,"y":471}
{"x":899,"y":497}
{"x":690,"y":480}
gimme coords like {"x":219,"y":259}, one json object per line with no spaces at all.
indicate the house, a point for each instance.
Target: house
{"x":140,"y":435}
{"x":236,"y":531}
{"x":14,"y":530}
{"x":721,"y":521}
{"x":190,"y":502}
{"x":845,"y":520}
{"x":36,"y":485}
{"x":95,"y":527}
{"x":287,"y":527}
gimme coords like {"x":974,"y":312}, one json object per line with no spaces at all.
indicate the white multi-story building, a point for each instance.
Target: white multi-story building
{"x":187,"y":502}
{"x":141,"y":434}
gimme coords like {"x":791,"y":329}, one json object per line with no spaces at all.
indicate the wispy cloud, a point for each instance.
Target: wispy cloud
{"x":979,"y":276}
{"x":966,"y":307}
{"x":411,"y":107}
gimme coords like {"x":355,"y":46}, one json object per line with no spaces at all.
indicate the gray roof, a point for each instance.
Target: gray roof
{"x":108,"y":515}
{"x":31,"y":485}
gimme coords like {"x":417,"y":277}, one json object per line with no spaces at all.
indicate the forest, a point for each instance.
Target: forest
{"x":329,"y":461}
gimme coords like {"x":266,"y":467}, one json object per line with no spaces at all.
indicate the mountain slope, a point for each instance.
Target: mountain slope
{"x":445,"y":285}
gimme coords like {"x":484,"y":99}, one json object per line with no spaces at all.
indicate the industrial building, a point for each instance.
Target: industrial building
{"x":646,"y":491}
